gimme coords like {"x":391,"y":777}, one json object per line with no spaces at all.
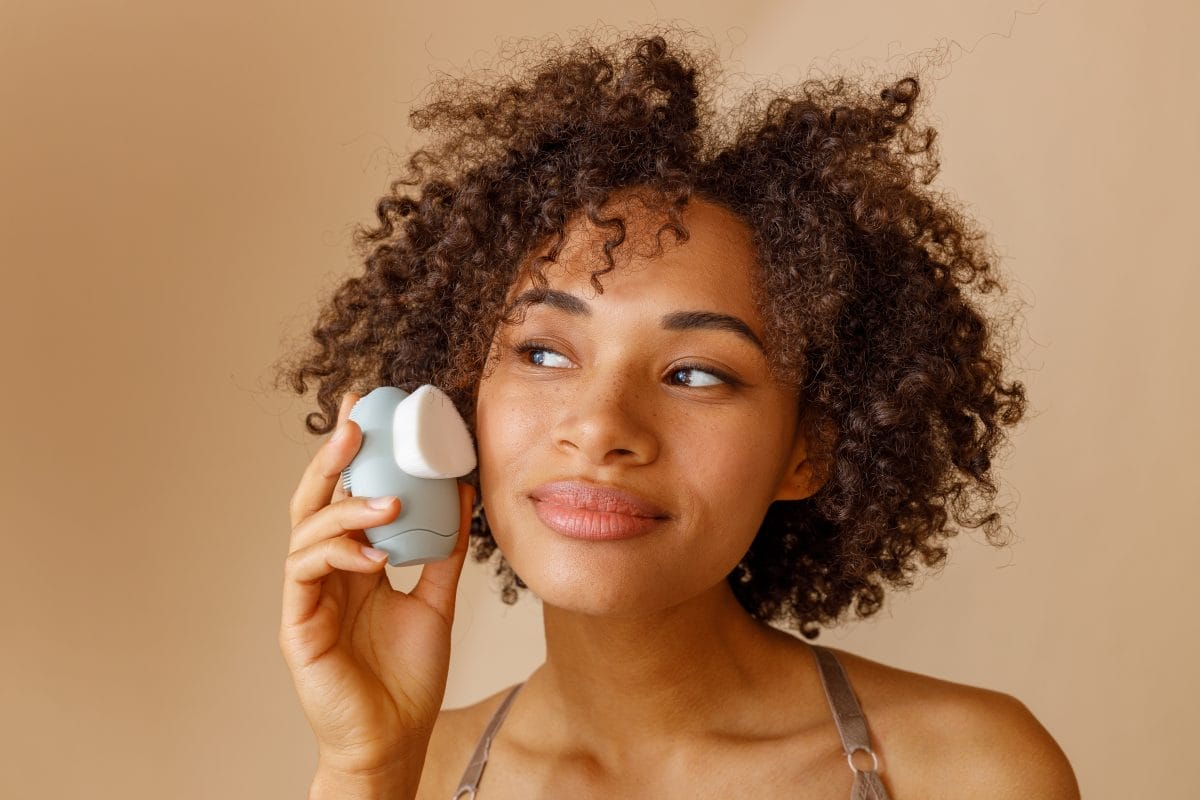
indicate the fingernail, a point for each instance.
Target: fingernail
{"x":373,"y":554}
{"x":339,"y":434}
{"x":380,"y":502}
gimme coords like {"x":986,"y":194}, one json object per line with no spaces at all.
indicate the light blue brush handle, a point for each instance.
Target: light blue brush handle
{"x":427,"y":527}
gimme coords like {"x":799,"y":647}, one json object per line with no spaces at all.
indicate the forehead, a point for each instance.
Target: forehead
{"x":717,"y":267}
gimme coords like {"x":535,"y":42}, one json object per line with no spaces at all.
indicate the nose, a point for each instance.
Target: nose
{"x":607,"y":421}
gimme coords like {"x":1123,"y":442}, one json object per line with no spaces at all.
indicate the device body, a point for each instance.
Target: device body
{"x":415,"y":447}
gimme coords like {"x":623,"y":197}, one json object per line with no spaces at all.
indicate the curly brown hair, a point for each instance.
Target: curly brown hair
{"x":864,"y":288}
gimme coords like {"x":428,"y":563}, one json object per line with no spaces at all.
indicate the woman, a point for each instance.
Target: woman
{"x":714,"y":383}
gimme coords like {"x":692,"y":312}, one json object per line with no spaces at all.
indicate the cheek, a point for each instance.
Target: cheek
{"x":507,"y":427}
{"x":734,"y":475}
{"x":730,"y":455}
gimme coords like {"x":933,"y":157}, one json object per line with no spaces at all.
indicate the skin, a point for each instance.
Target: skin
{"x":656,"y":682}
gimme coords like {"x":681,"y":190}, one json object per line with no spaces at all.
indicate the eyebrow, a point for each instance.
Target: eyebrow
{"x":675,"y":321}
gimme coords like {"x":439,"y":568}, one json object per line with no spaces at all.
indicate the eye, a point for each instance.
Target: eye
{"x":533,"y":347}
{"x":686,"y":368}
{"x":715,"y":377}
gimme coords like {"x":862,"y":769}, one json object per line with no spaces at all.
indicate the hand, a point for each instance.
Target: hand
{"x":369,"y":663}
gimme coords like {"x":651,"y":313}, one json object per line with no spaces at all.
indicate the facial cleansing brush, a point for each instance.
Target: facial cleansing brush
{"x":415,"y":447}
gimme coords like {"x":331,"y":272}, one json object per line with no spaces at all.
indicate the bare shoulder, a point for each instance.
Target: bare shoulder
{"x":451,"y":744}
{"x":937,"y":738}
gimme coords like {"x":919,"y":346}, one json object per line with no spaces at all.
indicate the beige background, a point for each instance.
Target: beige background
{"x":179,"y":182}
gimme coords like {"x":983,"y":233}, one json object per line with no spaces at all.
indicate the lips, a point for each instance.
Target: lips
{"x":594,"y":497}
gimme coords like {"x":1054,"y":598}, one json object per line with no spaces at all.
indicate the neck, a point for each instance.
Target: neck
{"x":701,"y":669}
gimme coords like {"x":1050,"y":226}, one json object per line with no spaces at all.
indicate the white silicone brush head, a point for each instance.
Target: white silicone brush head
{"x":429,"y":437}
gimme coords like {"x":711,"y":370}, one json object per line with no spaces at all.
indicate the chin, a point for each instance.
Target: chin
{"x":594,"y":601}
{"x":599,"y":589}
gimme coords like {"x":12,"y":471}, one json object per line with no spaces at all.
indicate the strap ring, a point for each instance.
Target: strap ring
{"x":868,"y":751}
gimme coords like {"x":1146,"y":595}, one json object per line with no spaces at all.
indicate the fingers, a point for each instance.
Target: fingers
{"x":305,"y":569}
{"x":324,"y":471}
{"x":346,"y":516}
{"x":438,"y":584}
{"x":326,"y":537}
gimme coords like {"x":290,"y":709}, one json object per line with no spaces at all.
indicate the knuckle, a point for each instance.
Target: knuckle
{"x":297,"y":505}
{"x":354,"y":509}
{"x":331,"y":549}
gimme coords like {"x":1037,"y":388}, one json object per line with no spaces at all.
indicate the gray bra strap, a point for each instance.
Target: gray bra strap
{"x":851,"y":724}
{"x":470,"y":779}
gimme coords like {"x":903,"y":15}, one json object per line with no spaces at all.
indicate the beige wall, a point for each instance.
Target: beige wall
{"x":178,"y":182}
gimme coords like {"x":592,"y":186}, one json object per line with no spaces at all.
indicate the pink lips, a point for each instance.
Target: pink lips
{"x":588,"y":511}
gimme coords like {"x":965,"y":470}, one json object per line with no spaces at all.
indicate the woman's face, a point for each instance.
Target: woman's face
{"x":684,"y":415}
